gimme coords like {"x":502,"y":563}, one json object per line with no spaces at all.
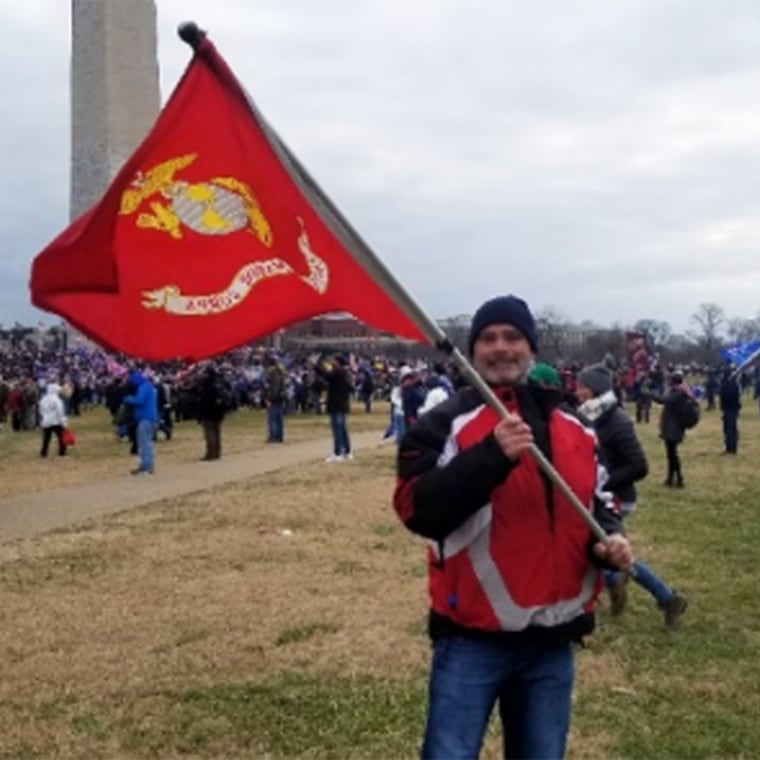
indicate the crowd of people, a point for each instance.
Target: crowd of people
{"x":285,"y":384}
{"x":148,"y":400}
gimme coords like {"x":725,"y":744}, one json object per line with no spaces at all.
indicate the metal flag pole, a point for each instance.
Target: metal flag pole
{"x":366,"y":258}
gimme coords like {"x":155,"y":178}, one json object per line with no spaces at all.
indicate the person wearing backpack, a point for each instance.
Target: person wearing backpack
{"x":730,"y":405}
{"x":672,"y":426}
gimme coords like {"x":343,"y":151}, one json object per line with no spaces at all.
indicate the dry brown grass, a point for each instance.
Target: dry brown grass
{"x":211,"y":588}
{"x":146,"y":634}
{"x":289,"y":572}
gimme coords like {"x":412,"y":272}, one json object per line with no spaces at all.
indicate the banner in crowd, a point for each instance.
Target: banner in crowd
{"x":211,"y":236}
{"x":637,"y":352}
{"x":740,"y":353}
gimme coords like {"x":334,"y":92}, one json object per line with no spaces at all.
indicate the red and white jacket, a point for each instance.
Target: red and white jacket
{"x":507,"y":553}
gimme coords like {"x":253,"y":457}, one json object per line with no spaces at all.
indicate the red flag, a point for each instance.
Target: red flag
{"x":637,"y":351}
{"x":210,"y":236}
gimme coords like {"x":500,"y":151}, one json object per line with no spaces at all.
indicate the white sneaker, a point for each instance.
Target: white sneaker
{"x":348,"y":456}
{"x":334,"y":458}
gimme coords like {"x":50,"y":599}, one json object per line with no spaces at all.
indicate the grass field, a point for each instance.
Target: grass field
{"x":284,"y":616}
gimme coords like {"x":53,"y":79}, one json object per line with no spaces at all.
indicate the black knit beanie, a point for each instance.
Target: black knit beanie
{"x":507,"y":310}
{"x":596,"y":378}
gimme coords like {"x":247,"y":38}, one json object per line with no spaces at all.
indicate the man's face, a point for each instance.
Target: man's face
{"x":583,"y":393}
{"x":502,"y":355}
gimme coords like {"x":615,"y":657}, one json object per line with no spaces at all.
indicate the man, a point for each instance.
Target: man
{"x":339,"y":390}
{"x":412,"y":394}
{"x":144,"y":403}
{"x":512,"y":571}
{"x":211,"y":411}
{"x":366,"y":387}
{"x":274,"y":398}
{"x":626,"y":464}
{"x":643,"y":398}
{"x":730,"y":406}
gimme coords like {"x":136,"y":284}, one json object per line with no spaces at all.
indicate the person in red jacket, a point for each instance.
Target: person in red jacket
{"x":513,"y":569}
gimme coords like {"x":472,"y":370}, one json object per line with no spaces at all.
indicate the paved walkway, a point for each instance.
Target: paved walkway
{"x":30,"y":514}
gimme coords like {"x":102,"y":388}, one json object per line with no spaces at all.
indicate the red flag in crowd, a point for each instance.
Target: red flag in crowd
{"x":209,"y":237}
{"x":638,"y":354}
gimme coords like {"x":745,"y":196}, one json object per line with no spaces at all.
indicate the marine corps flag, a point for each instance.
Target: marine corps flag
{"x":211,"y":235}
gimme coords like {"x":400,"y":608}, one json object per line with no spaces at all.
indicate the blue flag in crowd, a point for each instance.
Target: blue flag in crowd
{"x":739,"y":353}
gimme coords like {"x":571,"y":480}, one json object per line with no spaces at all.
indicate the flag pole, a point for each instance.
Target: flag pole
{"x":366,"y":258}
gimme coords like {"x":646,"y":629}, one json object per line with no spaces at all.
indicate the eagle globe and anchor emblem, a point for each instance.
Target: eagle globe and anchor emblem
{"x":219,"y":206}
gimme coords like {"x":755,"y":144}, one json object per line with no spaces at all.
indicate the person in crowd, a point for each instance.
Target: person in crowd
{"x":52,"y":419}
{"x":13,"y":406}
{"x":144,"y":404}
{"x":164,"y":401}
{"x":730,"y":406}
{"x":211,"y":411}
{"x":439,"y":369}
{"x":711,"y":387}
{"x":274,"y":398}
{"x":317,"y":387}
{"x":338,"y":404}
{"x":29,"y":401}
{"x":366,"y":388}
{"x":397,"y":426}
{"x":435,"y":393}
{"x":513,"y":570}
{"x":412,"y":394}
{"x":626,"y":464}
{"x":5,"y":392}
{"x":114,"y":393}
{"x":642,"y":398}
{"x":672,"y":428}
{"x":657,"y":380}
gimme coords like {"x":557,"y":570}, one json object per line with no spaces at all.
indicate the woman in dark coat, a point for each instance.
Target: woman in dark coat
{"x":626,"y":464}
{"x":672,"y":430}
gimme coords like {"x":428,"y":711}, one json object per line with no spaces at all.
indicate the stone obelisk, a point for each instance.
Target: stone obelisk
{"x":115,"y":95}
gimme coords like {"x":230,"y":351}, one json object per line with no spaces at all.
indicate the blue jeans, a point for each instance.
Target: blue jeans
{"x":275,"y":423}
{"x":341,"y":443}
{"x":532,"y":684}
{"x":731,"y":429}
{"x":145,"y":432}
{"x":399,"y":425}
{"x":647,"y":579}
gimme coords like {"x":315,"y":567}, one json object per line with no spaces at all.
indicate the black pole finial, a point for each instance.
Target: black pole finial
{"x":191,"y":33}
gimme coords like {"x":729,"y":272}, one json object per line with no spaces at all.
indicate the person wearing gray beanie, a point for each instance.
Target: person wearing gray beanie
{"x":626,"y":463}
{"x":597,"y":378}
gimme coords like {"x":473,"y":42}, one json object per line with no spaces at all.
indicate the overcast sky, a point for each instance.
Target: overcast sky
{"x":601,"y":158}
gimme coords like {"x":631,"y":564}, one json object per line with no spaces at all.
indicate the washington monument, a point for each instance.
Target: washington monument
{"x":115,"y":96}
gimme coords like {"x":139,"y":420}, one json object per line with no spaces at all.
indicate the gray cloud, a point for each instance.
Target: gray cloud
{"x":598,"y":157}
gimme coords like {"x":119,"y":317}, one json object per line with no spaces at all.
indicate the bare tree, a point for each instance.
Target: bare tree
{"x":740,"y":330}
{"x":708,"y":320}
{"x":657,"y":332}
{"x":457,"y":329}
{"x":552,"y":329}
{"x":607,"y":345}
